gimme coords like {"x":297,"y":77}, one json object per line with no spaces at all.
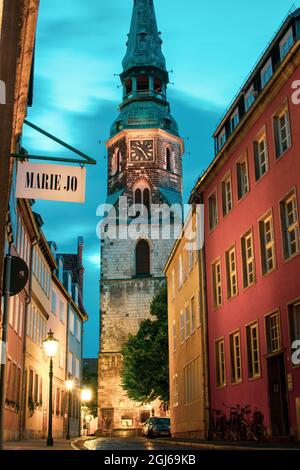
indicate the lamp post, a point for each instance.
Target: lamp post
{"x":69,"y":386}
{"x":50,"y":347}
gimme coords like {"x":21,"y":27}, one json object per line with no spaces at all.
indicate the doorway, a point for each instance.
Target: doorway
{"x":278,"y":396}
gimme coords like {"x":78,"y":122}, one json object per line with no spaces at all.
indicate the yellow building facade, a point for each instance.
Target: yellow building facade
{"x":36,"y":363}
{"x":188,"y":389}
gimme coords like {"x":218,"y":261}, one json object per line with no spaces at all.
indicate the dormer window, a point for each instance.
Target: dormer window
{"x":266,"y":73}
{"x":234,"y":120}
{"x":286,"y":43}
{"x":222,"y":139}
{"x":249,"y":98}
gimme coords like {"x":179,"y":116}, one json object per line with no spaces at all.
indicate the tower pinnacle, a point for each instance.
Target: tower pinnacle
{"x":144,"y":42}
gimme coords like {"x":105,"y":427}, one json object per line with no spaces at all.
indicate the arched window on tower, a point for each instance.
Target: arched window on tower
{"x":142,"y":83}
{"x":116,"y":162}
{"x":142,"y":258}
{"x":142,"y":195}
{"x":170,"y":164}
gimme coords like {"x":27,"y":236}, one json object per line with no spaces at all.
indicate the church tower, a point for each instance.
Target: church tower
{"x":144,"y":164}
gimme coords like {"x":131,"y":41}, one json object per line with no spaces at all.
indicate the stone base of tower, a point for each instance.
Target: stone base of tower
{"x":117,"y":414}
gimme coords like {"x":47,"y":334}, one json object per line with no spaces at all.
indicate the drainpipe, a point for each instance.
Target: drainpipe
{"x":204,"y":336}
{"x":28,"y":301}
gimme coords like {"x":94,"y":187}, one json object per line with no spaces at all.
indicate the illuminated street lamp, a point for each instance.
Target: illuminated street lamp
{"x":50,"y":347}
{"x":69,"y":386}
{"x":86,"y":394}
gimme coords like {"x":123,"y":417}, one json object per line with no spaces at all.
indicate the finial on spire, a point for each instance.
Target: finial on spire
{"x":144,"y":42}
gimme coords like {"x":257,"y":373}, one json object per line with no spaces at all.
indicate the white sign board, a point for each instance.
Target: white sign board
{"x":50,"y":182}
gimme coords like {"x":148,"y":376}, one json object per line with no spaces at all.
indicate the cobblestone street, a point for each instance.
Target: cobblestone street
{"x":115,"y":443}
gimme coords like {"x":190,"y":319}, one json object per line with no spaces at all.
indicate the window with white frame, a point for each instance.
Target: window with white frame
{"x":248,"y":259}
{"x":187,"y":322}
{"x":217,"y":283}
{"x":70,"y":362}
{"x":220,"y":363}
{"x":175,"y":390}
{"x":261,"y":157}
{"x":182,"y":327}
{"x":193,"y":314}
{"x":174,"y":335}
{"x":61,"y":356}
{"x":253,"y":354}
{"x":290,"y":225}
{"x":234,"y":119}
{"x":266,"y":73}
{"x":286,"y":43}
{"x":242,"y":178}
{"x":213,"y":211}
{"x":231,"y":268}
{"x":227,"y":195}
{"x":249,"y":98}
{"x":222,"y":139}
{"x":62,"y":311}
{"x":180,"y":270}
{"x":282,"y":132}
{"x":192,"y":381}
{"x":53,"y":302}
{"x":173,"y":284}
{"x":267,"y":244}
{"x":78,"y":329}
{"x":235,"y":357}
{"x":273,"y":331}
{"x":77,"y":367}
{"x":71,"y":322}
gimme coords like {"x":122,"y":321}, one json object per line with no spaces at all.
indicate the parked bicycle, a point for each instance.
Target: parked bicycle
{"x":241,"y":425}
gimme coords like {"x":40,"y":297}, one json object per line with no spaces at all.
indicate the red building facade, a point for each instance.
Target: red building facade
{"x":251,"y":196}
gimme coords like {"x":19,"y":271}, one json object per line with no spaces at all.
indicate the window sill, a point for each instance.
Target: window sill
{"x":280,"y":157}
{"x":285,"y":261}
{"x":241,"y":199}
{"x":268,"y":273}
{"x":257,"y":181}
{"x":238,"y":382}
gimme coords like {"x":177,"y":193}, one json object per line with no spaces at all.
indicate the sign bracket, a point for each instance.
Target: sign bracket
{"x":86,"y":160}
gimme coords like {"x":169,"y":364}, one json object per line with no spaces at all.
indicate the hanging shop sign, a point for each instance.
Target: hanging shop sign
{"x":50,"y":182}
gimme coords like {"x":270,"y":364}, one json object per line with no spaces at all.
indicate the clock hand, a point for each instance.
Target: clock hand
{"x":139,"y":148}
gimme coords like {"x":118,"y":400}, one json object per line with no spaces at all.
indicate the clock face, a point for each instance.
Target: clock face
{"x":141,"y":150}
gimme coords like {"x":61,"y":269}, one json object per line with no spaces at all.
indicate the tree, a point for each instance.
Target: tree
{"x":145,"y":372}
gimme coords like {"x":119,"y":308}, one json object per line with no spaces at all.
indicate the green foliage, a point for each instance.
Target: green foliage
{"x":145,"y":373}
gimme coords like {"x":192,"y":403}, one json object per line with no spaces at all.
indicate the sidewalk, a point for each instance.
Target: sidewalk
{"x":232,"y":445}
{"x":39,"y":444}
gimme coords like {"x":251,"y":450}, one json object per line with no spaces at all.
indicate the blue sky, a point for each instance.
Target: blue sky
{"x":210,"y":46}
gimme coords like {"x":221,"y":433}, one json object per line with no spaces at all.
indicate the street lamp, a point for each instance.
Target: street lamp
{"x":86,"y":396}
{"x":50,"y":347}
{"x":69,"y":386}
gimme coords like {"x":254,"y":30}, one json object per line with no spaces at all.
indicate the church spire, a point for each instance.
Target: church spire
{"x":144,"y":42}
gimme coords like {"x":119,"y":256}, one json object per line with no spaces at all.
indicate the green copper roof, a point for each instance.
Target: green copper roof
{"x":144,"y":43}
